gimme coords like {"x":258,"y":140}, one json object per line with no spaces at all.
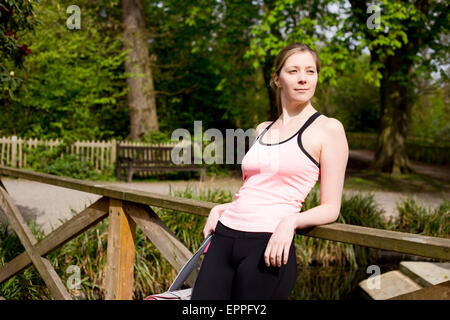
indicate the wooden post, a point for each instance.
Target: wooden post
{"x":120,"y":253}
{"x":162,"y":237}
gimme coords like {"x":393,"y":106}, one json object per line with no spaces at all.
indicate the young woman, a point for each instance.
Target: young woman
{"x":252,"y":253}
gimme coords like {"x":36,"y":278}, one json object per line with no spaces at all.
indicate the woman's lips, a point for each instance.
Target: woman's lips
{"x":301,"y":90}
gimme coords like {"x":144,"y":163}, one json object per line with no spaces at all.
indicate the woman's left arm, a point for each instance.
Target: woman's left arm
{"x":333,"y":162}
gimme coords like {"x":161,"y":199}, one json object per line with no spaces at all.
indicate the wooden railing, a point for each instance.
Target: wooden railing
{"x":127,"y":208}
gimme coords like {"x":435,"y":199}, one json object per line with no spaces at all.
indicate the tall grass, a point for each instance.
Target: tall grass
{"x":416,"y":219}
{"x":327,"y":269}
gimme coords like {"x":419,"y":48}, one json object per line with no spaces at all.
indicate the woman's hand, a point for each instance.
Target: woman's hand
{"x":214,"y":215}
{"x":277,"y":250}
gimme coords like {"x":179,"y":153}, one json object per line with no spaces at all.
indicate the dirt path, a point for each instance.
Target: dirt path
{"x":51,"y":205}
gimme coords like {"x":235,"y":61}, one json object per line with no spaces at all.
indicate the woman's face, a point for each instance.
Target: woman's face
{"x":298,"y":78}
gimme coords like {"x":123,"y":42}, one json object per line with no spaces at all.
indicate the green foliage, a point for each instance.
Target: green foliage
{"x":56,"y":161}
{"x":416,"y":219}
{"x":199,"y":71}
{"x":402,"y":23}
{"x":15,"y":16}
{"x":156,"y":137}
{"x":287,"y":21}
{"x":353,"y":100}
{"x":27,"y":285}
{"x":431,"y":113}
{"x":75,"y":89}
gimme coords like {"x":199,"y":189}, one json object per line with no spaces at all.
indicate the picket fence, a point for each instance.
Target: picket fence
{"x":14,"y":152}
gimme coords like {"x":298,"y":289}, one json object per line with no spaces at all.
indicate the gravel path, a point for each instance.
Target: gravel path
{"x":51,"y":205}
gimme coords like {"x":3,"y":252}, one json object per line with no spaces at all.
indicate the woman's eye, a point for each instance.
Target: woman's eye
{"x":292,"y":71}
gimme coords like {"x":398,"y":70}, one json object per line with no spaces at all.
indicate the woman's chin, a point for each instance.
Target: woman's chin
{"x":298,"y":101}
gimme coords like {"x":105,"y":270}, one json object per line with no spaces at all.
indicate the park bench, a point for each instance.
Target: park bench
{"x":132,"y":159}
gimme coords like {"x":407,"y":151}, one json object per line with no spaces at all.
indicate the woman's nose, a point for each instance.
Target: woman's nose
{"x":301,"y":77}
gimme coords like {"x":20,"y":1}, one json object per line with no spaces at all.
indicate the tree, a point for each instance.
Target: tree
{"x":141,"y":96}
{"x":73,"y":81}
{"x":406,"y":31}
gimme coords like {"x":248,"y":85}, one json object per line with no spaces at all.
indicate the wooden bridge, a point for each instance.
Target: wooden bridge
{"x":127,"y":208}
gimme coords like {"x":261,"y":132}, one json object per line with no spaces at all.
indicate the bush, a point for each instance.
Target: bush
{"x":56,"y":161}
{"x":419,"y":220}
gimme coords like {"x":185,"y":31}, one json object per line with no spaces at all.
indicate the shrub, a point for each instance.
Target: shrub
{"x":56,"y":161}
{"x":414,"y":218}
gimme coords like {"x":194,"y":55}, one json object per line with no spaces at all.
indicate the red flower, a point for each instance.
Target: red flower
{"x":24,"y":50}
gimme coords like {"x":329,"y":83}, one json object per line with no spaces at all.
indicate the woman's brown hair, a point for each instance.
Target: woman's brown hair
{"x":285,"y":53}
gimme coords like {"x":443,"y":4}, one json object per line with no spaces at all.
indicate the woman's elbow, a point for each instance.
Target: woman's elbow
{"x":334,"y":212}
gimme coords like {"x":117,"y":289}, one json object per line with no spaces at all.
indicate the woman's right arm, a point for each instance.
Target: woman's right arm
{"x":214,"y":216}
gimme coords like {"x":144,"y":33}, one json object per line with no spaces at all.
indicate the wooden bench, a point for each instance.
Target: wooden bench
{"x":132,"y":159}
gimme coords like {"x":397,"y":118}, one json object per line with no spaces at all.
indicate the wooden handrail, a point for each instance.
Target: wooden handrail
{"x":143,"y":197}
{"x":127,"y":208}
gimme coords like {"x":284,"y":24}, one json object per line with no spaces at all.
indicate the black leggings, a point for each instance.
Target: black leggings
{"x":234,"y":268}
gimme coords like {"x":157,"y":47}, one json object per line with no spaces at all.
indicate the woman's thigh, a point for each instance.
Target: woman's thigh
{"x":255,"y":280}
{"x":216,"y":274}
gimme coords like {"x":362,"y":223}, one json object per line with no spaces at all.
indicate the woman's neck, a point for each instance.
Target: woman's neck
{"x":295,"y":112}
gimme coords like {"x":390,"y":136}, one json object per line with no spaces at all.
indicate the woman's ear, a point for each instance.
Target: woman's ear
{"x":276,"y":80}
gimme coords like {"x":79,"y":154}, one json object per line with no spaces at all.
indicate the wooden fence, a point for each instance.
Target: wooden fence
{"x":127,"y":209}
{"x":14,"y":152}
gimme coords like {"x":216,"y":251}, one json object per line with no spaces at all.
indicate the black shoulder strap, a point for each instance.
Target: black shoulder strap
{"x":267,"y":128}
{"x":309,"y":121}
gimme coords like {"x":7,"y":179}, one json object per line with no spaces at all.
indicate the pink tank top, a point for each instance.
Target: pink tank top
{"x":277,"y":178}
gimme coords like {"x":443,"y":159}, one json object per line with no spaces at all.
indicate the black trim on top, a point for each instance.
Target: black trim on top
{"x":299,"y":132}
{"x":267,"y":128}
{"x":299,"y":138}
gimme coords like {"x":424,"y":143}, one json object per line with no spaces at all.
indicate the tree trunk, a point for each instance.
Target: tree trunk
{"x":141,"y":96}
{"x":268,"y":66}
{"x":395,"y":118}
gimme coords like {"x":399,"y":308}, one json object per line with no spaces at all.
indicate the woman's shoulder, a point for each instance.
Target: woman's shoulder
{"x":331,"y":125}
